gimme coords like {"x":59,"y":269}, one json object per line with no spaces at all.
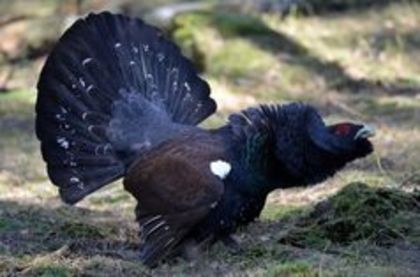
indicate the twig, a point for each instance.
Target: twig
{"x":382,"y":170}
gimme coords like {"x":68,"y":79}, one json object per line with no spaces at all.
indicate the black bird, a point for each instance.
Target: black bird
{"x":116,"y":99}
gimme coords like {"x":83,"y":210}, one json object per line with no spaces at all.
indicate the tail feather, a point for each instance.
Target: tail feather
{"x":111,"y":88}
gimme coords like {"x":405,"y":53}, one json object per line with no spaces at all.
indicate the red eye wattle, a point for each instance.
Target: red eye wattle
{"x":342,"y":129}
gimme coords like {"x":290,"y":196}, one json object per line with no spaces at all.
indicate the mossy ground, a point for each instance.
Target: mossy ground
{"x":360,"y":213}
{"x":361,"y":65}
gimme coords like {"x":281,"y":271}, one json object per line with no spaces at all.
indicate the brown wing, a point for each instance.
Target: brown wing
{"x":175,"y":189}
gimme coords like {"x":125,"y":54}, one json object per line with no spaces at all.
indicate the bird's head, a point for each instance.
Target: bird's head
{"x":345,"y":140}
{"x":305,"y":148}
{"x":349,"y":138}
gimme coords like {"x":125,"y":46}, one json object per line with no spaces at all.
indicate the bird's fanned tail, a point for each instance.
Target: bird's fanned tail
{"x":111,"y":88}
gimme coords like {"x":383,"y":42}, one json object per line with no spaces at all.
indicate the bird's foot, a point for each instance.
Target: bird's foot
{"x":233,"y":246}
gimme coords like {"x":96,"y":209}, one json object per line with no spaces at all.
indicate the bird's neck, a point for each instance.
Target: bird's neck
{"x":253,"y":150}
{"x":252,"y":136}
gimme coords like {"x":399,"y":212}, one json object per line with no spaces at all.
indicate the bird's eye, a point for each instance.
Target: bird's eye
{"x":342,"y":129}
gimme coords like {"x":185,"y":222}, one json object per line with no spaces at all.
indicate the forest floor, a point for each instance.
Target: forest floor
{"x":358,"y":65}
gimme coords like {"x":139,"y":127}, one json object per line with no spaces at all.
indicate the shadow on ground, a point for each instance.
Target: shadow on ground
{"x":35,"y":229}
{"x":291,"y":51}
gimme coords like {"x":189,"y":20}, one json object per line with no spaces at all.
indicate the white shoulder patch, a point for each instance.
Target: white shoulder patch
{"x":220,"y":168}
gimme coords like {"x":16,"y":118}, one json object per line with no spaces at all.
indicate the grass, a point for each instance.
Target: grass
{"x":300,"y":269}
{"x":357,"y":213}
{"x":359,"y":65}
{"x":18,"y":103}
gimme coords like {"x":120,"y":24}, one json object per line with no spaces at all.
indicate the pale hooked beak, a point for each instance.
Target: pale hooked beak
{"x":366,"y":131}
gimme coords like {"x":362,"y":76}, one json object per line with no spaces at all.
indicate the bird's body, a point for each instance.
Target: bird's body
{"x":116,"y":99}
{"x":196,"y":151}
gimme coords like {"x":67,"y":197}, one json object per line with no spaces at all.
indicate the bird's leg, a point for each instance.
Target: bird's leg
{"x":233,"y":245}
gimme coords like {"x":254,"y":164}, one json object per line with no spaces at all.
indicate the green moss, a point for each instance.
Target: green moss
{"x":185,"y":31}
{"x":239,"y":58}
{"x":18,"y":103}
{"x":257,"y":252}
{"x":81,"y":230}
{"x":297,"y":269}
{"x":234,"y":24}
{"x":51,"y":271}
{"x":228,"y":24}
{"x":404,"y":224}
{"x":359,"y":212}
{"x":23,"y":222}
{"x":7,"y":225}
{"x":358,"y":199}
{"x":236,"y":57}
{"x":275,"y":212}
{"x":20,"y":95}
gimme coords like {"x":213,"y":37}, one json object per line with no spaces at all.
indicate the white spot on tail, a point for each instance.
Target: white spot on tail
{"x":89,"y":88}
{"x":160,"y":57}
{"x":59,"y":116}
{"x":63,"y":110}
{"x":187,"y":86}
{"x":82,"y":82}
{"x":84,"y":115}
{"x":117,"y":45}
{"x":74,"y":180}
{"x":86,"y":61}
{"x":63,"y":142}
{"x":220,"y":168}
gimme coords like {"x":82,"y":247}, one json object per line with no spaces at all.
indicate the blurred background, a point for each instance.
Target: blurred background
{"x":352,"y":59}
